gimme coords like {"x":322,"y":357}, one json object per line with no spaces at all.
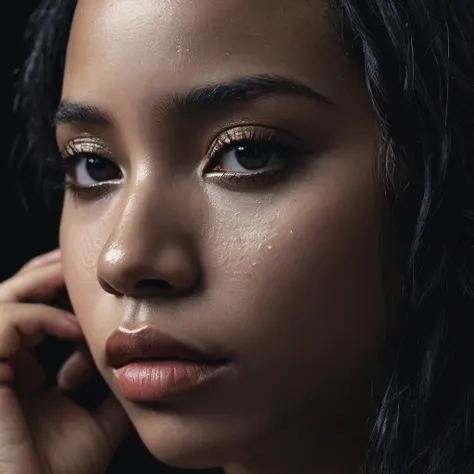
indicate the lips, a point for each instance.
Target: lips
{"x":124,"y":347}
{"x":149,"y":365}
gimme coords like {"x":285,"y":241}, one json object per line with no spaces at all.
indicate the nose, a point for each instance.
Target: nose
{"x":150,"y":251}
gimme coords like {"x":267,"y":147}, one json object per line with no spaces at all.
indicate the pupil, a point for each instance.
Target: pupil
{"x":99,"y":170}
{"x":253,"y":157}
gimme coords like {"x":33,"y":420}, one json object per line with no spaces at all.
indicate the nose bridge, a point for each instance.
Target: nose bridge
{"x":143,"y":216}
{"x":148,"y":240}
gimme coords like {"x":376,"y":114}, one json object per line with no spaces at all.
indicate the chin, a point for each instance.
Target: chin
{"x":189,"y":444}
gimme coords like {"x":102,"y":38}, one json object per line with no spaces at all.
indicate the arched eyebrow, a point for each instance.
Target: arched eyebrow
{"x":242,"y":89}
{"x":70,"y":112}
{"x":211,"y":96}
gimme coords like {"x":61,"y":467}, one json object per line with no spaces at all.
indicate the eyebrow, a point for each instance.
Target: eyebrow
{"x":221,"y":95}
{"x":76,"y":113}
{"x":242,"y":89}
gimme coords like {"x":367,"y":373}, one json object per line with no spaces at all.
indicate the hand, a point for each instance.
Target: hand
{"x":41,"y":430}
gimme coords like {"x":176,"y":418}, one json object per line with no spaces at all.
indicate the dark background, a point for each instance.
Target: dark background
{"x":22,"y":234}
{"x":28,"y":227}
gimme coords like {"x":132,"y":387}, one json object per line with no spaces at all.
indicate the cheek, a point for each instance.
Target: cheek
{"x":81,"y":242}
{"x":301,"y":280}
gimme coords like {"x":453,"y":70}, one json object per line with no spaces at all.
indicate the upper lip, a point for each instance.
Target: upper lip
{"x":125,"y":346}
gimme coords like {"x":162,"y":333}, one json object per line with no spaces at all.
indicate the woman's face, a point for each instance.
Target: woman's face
{"x":231,"y":148}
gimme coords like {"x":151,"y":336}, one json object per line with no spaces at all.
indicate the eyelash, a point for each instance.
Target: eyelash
{"x":64,"y":163}
{"x":268,"y":141}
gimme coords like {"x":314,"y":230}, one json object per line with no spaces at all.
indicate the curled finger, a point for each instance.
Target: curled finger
{"x":20,"y":322}
{"x":78,"y":369}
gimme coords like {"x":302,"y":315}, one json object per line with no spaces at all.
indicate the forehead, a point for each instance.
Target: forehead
{"x":182,"y":43}
{"x":188,"y":25}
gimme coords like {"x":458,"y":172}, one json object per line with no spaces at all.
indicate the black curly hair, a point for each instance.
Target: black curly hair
{"x":417,"y":57}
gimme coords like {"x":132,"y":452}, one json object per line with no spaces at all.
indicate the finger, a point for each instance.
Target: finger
{"x":113,"y":422}
{"x":39,"y":284}
{"x":14,"y":432}
{"x":28,"y":376}
{"x":78,"y":369}
{"x":46,"y":258}
{"x":20,"y":321}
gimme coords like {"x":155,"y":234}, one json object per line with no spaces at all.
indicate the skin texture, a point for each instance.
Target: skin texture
{"x":282,"y":274}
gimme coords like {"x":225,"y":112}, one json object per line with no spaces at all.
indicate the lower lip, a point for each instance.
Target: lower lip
{"x":147,"y":381}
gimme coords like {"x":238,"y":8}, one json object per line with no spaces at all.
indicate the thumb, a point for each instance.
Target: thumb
{"x":113,"y":422}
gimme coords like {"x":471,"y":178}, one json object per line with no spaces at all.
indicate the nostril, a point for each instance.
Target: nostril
{"x":109,"y":288}
{"x":152,"y":285}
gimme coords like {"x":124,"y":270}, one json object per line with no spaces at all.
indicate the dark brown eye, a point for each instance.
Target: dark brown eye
{"x":248,"y":156}
{"x":92,"y":169}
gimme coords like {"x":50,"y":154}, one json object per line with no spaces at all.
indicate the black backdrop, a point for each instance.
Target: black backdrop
{"x":24,"y":232}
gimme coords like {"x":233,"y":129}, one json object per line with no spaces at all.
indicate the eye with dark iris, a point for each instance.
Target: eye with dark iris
{"x":89,"y":170}
{"x":246,"y":156}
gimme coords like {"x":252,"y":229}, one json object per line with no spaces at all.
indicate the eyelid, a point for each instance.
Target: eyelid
{"x":256,"y":133}
{"x":87,"y":145}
